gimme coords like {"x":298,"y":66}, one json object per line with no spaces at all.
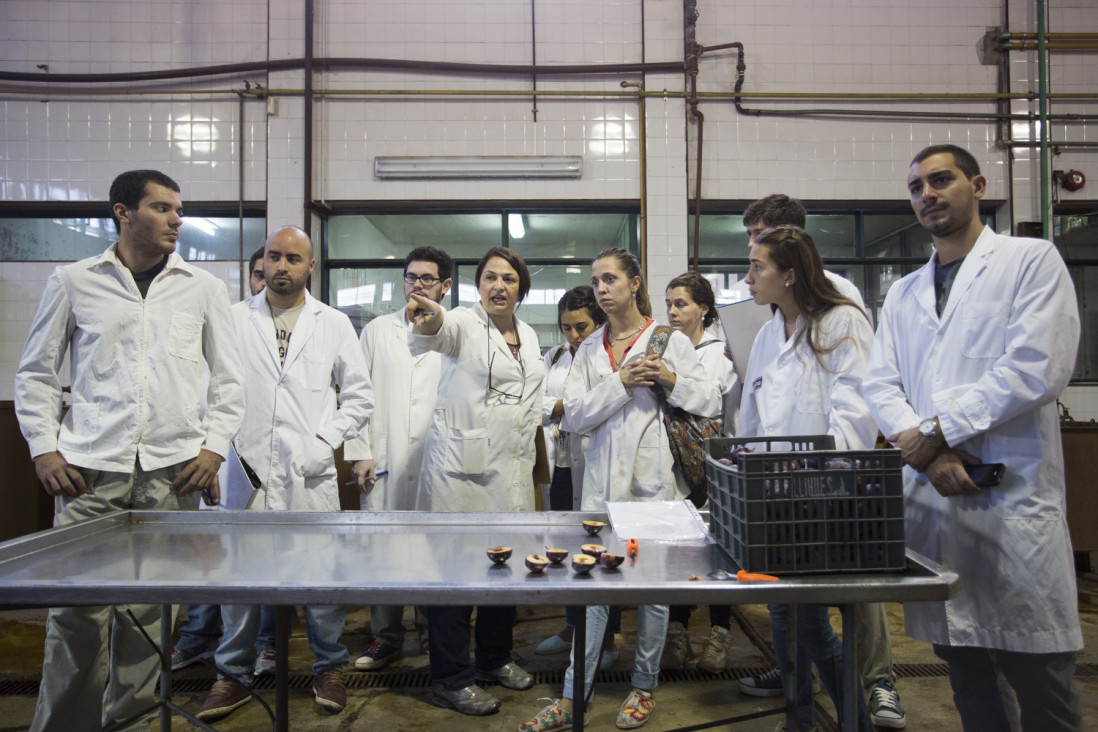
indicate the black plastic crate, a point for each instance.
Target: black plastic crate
{"x":808,"y":509}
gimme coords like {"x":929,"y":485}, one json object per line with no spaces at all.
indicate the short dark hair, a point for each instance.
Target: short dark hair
{"x":256,"y":256}
{"x":701,"y":292}
{"x":429,"y":254}
{"x":129,"y":188}
{"x":581,"y":298}
{"x":512,"y":258}
{"x":777,"y":209}
{"x":964,"y":160}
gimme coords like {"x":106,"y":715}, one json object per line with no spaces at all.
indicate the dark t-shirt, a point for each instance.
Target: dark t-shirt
{"x":944,"y":274}
{"x":144,"y":279}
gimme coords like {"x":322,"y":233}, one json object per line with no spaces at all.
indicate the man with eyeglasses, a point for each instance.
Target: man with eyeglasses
{"x":387,"y":455}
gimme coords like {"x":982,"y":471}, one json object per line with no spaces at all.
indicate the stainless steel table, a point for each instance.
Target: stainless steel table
{"x":398,"y":558}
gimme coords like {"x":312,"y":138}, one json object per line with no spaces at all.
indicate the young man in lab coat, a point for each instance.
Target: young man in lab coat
{"x":874,"y":643}
{"x":971,"y":353}
{"x":392,"y":443}
{"x":140,"y":326}
{"x":297,"y":352}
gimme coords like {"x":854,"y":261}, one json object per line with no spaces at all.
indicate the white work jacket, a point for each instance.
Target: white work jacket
{"x":479,"y":454}
{"x":789,"y":391}
{"x":405,"y":392}
{"x":562,"y":448}
{"x":138,"y":367}
{"x":720,"y":369}
{"x":990,"y":369}
{"x":287,"y":406}
{"x":628,"y":454}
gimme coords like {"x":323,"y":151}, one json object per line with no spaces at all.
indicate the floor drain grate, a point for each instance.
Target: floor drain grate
{"x":420,"y":679}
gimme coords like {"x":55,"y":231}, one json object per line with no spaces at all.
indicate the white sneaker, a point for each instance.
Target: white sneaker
{"x":714,"y":658}
{"x":265,"y":664}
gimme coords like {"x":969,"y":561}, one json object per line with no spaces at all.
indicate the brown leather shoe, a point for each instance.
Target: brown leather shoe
{"x":225,"y":697}
{"x":329,"y":690}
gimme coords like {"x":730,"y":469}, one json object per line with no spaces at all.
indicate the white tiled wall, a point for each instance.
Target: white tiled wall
{"x":70,"y":148}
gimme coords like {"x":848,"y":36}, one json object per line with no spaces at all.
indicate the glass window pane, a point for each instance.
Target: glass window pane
{"x":570,"y":235}
{"x":367,"y":293}
{"x":723,"y":236}
{"x":896,"y":235}
{"x":67,"y":240}
{"x":836,"y":235}
{"x":392,"y":236}
{"x":1086,"y":291}
{"x":1076,"y":236}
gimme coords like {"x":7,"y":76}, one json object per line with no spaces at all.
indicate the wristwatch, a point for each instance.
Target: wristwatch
{"x":928,"y":430}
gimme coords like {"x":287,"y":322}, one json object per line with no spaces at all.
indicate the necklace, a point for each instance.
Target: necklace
{"x":630,"y":334}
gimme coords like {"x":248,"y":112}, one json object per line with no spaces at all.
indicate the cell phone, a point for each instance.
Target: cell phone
{"x":985,"y":475}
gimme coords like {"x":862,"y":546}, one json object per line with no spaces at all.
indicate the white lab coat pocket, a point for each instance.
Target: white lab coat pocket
{"x":185,"y":337}
{"x":983,"y":329}
{"x":318,"y":459}
{"x":810,"y":396}
{"x":316,"y":372}
{"x":85,"y":426}
{"x":470,"y":450}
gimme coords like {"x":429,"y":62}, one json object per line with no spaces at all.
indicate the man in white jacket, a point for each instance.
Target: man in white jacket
{"x":307,"y":391}
{"x":140,"y":327}
{"x":971,"y":353}
{"x":387,"y":456}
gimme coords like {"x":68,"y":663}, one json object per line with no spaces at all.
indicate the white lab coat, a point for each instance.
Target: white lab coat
{"x":721,"y":370}
{"x":405,"y":393}
{"x":562,"y":448}
{"x":990,"y":369}
{"x":789,"y":391}
{"x":479,"y":454}
{"x":138,"y":367}
{"x":287,"y":406}
{"x":628,"y":455}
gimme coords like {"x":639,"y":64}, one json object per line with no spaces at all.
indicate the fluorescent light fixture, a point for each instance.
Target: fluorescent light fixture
{"x":515,"y":227}
{"x":479,"y":166}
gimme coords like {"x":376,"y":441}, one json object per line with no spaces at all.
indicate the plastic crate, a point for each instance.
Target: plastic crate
{"x":809,"y":509}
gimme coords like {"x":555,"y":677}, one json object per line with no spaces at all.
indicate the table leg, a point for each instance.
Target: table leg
{"x":284,"y":617}
{"x":579,"y":665}
{"x":851,"y":677}
{"x":165,"y":667}
{"x":789,"y":668}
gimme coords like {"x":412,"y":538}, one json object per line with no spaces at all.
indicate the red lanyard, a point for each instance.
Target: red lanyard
{"x":610,"y":352}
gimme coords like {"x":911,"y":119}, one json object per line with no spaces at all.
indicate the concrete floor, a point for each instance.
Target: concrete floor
{"x":398,"y":699}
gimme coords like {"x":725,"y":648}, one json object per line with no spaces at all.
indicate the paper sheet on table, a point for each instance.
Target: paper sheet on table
{"x":670,"y":522}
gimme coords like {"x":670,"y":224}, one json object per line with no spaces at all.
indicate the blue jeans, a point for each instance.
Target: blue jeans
{"x":202,"y":630}
{"x":613,"y":624}
{"x":816,"y":643}
{"x":323,"y":625}
{"x":651,"y":632}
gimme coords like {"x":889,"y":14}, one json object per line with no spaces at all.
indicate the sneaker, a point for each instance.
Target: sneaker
{"x":225,"y":696}
{"x":636,"y":709}
{"x":714,"y":658}
{"x":183,"y":657}
{"x":329,"y":690}
{"x":378,"y":655}
{"x":471,"y":700}
{"x":552,"y":644}
{"x":264,"y":664}
{"x":550,"y":719}
{"x":771,"y":684}
{"x":676,"y":648}
{"x":606,"y":659}
{"x":766,"y":684}
{"x":884,"y":706}
{"x":510,"y":675}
